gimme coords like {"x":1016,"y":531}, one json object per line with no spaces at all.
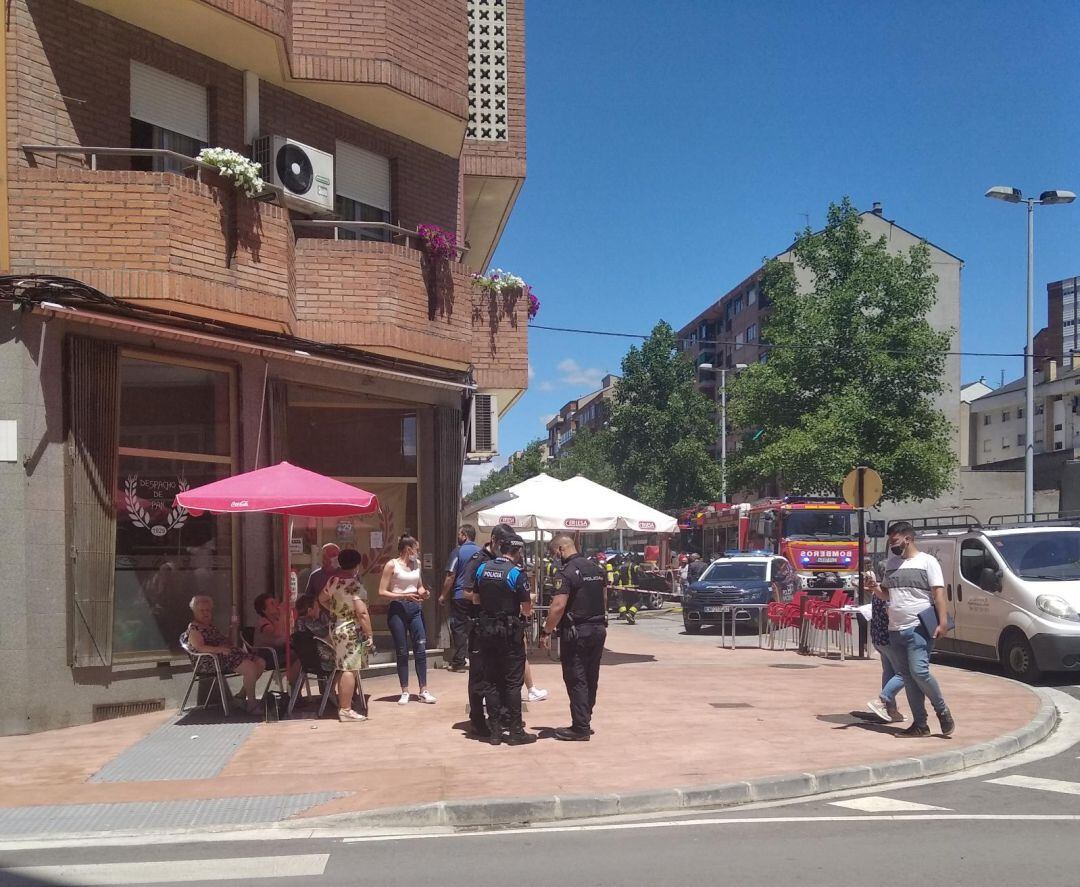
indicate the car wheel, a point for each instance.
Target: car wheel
{"x":656,"y":602}
{"x":1018,"y":659}
{"x":691,"y":627}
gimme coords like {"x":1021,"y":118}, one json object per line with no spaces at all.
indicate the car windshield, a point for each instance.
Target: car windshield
{"x":1049,"y":555}
{"x":817,"y":524}
{"x":727,"y":572}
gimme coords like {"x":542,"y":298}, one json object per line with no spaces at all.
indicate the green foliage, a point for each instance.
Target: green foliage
{"x":529,"y":464}
{"x":661,"y":427}
{"x":655,"y":448}
{"x":853,"y":373}
{"x":589,"y":456}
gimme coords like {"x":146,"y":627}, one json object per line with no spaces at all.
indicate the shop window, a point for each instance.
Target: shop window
{"x":175,"y":433}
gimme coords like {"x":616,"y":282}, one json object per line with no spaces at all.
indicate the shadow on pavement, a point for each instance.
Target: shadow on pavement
{"x":861,"y":719}
{"x":613,"y":658}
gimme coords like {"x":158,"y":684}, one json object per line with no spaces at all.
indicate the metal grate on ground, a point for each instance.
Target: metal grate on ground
{"x":83,"y":818}
{"x":176,"y":751}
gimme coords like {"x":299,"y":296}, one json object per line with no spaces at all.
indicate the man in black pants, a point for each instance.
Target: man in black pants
{"x":579,"y":611}
{"x":502,"y":591}
{"x":476,"y":657}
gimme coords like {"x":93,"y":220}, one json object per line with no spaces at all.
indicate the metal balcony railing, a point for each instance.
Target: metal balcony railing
{"x":396,"y":232}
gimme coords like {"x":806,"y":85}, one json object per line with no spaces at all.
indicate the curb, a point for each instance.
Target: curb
{"x":529,"y":810}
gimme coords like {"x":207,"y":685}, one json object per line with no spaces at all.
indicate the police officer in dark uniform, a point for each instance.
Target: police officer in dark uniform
{"x":502,"y":589}
{"x":579,"y":611}
{"x":476,"y":657}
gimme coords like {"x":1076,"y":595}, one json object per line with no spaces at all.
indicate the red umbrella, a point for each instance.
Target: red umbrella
{"x":280,"y":489}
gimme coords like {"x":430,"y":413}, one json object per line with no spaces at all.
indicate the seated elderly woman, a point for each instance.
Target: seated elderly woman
{"x":202,"y":636}
{"x":271,"y":632}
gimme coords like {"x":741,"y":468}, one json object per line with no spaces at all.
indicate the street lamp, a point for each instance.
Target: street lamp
{"x":1048,"y":198}
{"x":708,"y":367}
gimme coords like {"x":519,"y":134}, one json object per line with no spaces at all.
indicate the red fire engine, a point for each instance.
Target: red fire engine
{"x":815,"y":534}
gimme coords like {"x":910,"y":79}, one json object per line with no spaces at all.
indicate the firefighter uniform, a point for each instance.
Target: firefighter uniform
{"x":502,"y":587}
{"x":582,"y":632}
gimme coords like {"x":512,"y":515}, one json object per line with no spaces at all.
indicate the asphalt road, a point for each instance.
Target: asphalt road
{"x":1016,"y":822}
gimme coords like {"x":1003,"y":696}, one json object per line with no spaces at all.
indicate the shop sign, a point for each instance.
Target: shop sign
{"x":162,"y":495}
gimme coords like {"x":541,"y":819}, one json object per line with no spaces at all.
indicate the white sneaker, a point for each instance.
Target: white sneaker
{"x":404,"y":699}
{"x":887,"y":713}
{"x":428,"y":697}
{"x":537,"y":695}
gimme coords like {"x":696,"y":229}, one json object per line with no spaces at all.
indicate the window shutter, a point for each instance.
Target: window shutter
{"x":93,"y":402}
{"x":169,"y":102}
{"x":362,"y":175}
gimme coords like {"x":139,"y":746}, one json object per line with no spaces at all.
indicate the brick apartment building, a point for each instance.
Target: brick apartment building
{"x":165,"y":330}
{"x":591,"y":411}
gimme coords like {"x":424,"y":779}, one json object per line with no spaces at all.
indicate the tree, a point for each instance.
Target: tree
{"x":529,"y":464}
{"x":590,"y":456}
{"x":661,"y":427}
{"x":852,"y":369}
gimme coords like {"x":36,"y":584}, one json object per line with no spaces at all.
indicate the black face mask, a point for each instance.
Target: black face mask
{"x":898,"y":549}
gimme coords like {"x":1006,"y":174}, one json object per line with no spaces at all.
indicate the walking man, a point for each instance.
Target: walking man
{"x":915,"y":589}
{"x":579,"y":612}
{"x":453,"y":595}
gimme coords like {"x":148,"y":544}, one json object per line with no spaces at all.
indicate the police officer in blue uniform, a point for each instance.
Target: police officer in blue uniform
{"x":503,"y":596}
{"x":489,"y":552}
{"x":579,"y":612}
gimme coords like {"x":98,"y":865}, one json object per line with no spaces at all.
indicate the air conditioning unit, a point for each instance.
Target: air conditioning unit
{"x":305,"y":174}
{"x":483,"y":442}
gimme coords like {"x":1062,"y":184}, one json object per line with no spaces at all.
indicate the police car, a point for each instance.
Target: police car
{"x":756,"y":577}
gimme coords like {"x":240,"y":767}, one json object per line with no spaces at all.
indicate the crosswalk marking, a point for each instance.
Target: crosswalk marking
{"x":878,"y":804}
{"x":246,"y":868}
{"x":1046,"y":785}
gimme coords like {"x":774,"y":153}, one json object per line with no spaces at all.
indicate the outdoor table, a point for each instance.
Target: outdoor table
{"x":728,"y":613}
{"x":847,"y":610}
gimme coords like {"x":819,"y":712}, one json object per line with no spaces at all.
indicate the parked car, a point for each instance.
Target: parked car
{"x":738,"y":579}
{"x":1014,"y":595}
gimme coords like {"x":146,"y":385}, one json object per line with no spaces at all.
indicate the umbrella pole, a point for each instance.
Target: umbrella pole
{"x":287,"y":600}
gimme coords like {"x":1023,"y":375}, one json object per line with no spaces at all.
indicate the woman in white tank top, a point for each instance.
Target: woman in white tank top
{"x":403,"y":585}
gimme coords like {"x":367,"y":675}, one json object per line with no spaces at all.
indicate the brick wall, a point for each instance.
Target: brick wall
{"x":153,"y":236}
{"x":415,"y":46}
{"x":500,"y":340}
{"x":373,"y":294}
{"x":425,"y":182}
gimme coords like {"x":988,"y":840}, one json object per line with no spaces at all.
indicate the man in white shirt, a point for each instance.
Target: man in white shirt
{"x":915,"y":590}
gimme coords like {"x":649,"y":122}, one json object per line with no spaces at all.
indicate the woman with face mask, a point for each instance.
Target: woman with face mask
{"x":403,"y":586}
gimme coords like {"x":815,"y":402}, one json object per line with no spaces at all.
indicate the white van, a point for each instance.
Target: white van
{"x":1014,"y":593}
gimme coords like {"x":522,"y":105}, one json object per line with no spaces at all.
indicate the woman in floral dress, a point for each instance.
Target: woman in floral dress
{"x":342,"y":598}
{"x":202,"y":636}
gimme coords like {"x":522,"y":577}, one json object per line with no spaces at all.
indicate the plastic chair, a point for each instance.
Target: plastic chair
{"x":217,"y":677}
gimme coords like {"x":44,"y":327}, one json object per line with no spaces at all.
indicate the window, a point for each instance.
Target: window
{"x":751,"y":332}
{"x":986,"y":445}
{"x":1005,"y":443}
{"x":362,"y":185}
{"x":175,"y":432}
{"x":166,"y":112}
{"x":1058,"y":445}
{"x":1038,"y":409}
{"x":751,"y":295}
{"x":1057,"y":428}
{"x":973,"y":557}
{"x":737,"y":305}
{"x":1020,"y":413}
{"x":1006,"y":415}
{"x":986,"y":419}
{"x":739,"y":339}
{"x":1020,"y":440}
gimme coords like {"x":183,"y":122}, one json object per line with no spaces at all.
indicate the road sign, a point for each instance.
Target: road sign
{"x":862,"y":487}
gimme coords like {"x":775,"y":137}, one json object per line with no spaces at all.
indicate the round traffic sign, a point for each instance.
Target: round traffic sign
{"x":864,"y":494}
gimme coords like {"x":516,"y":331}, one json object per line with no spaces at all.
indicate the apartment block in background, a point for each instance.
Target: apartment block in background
{"x":590,"y":411}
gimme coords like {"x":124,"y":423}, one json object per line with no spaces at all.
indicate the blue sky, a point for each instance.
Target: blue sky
{"x":671,"y":146}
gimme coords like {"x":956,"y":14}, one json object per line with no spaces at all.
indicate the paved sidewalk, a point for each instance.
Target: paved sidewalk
{"x":680,"y":712}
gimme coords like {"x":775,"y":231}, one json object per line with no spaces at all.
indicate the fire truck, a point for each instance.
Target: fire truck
{"x":817,"y":535}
